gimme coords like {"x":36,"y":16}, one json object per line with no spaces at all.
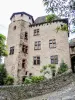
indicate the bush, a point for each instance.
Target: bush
{"x":28,"y":80}
{"x":63,"y":68}
{"x":3,"y":74}
{"x":36,"y":79}
{"x":9,"y":80}
{"x":33,"y":79}
{"x":45,"y":70}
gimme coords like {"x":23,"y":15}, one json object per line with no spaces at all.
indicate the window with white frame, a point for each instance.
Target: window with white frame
{"x":52,"y":43}
{"x":37,"y":45}
{"x":36,"y":60}
{"x":54,"y":59}
{"x":36,"y":32}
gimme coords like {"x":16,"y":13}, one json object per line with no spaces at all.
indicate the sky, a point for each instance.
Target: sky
{"x":8,"y":7}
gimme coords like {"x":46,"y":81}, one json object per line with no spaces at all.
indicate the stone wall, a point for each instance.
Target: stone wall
{"x":23,"y":92}
{"x":47,"y":32}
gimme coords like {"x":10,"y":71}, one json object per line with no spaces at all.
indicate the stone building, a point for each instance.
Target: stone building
{"x":33,"y":44}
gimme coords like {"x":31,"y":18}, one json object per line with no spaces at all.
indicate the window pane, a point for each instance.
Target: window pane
{"x":54,"y":59}
{"x":34,"y":31}
{"x":11,"y":50}
{"x":34,"y":62}
{"x":38,"y":62}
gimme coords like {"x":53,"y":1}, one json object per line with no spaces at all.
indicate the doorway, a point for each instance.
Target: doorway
{"x":73,"y":64}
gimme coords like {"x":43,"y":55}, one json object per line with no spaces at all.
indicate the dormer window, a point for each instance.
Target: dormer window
{"x":14,"y":27}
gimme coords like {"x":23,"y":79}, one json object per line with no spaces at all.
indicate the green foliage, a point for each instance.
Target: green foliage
{"x":51,"y":17}
{"x":4,"y":79}
{"x":3,"y":47}
{"x":52,"y":67}
{"x":36,"y":79}
{"x":3,"y":74}
{"x":63,"y":27}
{"x":60,"y":7}
{"x":9,"y":80}
{"x":33,"y":79}
{"x":63,"y":68}
{"x":28,"y":80}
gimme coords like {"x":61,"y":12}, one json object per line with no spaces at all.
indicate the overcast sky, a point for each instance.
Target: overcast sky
{"x":7,"y":7}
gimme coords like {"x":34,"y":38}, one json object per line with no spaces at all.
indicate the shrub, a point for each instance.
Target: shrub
{"x":28,"y":80}
{"x":36,"y":79}
{"x":33,"y":79}
{"x":63,"y":68}
{"x":45,"y":70}
{"x":3,"y":74}
{"x":9,"y":80}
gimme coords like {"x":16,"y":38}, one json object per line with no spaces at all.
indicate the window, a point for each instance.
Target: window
{"x":36,"y":32}
{"x":52,"y":43}
{"x":23,"y":63}
{"x":37,"y":45}
{"x":54,"y":59}
{"x":36,"y":60}
{"x":29,"y":17}
{"x":14,"y":28}
{"x":26,"y":73}
{"x":11,"y":50}
{"x":26,"y":35}
{"x":25,"y":49}
{"x":30,"y":74}
{"x":21,"y":15}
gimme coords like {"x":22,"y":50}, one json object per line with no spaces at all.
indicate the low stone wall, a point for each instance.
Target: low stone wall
{"x":23,"y":92}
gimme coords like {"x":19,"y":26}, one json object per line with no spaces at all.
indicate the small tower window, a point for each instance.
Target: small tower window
{"x":26,"y":35}
{"x":14,"y":27}
{"x":11,"y":50}
{"x":26,"y":73}
{"x":21,"y":15}
{"x":30,"y":74}
{"x":29,"y":17}
{"x":23,"y":63}
{"x":25,"y":49}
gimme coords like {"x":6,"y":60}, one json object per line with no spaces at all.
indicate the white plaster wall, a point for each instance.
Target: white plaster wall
{"x":48,"y":32}
{"x":19,"y":17}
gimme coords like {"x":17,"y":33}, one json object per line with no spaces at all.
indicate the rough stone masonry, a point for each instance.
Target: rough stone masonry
{"x":59,"y":88}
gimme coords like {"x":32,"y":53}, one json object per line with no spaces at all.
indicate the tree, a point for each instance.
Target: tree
{"x":3,"y":47}
{"x":51,"y":17}
{"x":62,"y":8}
{"x":3,"y":74}
{"x":59,"y":7}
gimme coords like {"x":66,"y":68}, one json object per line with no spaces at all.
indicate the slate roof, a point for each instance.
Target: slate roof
{"x":42,"y":19}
